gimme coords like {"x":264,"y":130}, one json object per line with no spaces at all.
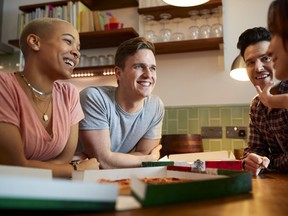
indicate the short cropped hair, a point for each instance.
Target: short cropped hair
{"x":129,"y":48}
{"x":38,"y":27}
{"x":252,"y":36}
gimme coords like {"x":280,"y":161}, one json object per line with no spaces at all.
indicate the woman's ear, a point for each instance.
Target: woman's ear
{"x":33,"y":41}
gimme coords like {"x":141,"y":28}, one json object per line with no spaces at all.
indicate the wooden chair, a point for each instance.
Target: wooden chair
{"x":181,"y":143}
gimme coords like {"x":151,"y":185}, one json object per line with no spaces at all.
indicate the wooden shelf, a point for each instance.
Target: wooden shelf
{"x":93,"y":40}
{"x":92,"y":4}
{"x":188,"y":46}
{"x":32,"y":7}
{"x":93,"y":71}
{"x":99,"y":39}
{"x":181,"y":12}
{"x":109,"y":4}
{"x":113,"y":38}
{"x":107,"y":38}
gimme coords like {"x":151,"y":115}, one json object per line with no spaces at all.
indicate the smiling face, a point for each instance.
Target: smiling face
{"x":279,"y":56}
{"x":138,"y":78}
{"x":258,"y":65}
{"x":58,"y":50}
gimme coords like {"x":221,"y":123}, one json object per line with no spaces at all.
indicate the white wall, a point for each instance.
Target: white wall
{"x":238,"y":16}
{"x":196,"y":78}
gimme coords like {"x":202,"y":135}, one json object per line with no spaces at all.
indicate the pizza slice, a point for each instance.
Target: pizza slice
{"x":124,"y":185}
{"x":125,"y":188}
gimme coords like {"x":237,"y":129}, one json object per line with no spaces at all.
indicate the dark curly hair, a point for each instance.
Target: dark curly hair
{"x":252,"y":36}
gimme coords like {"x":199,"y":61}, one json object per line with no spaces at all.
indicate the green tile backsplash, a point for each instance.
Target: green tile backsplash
{"x":190,"y":119}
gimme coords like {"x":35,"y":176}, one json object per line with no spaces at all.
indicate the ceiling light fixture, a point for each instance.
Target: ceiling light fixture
{"x":238,"y":69}
{"x":185,"y":3}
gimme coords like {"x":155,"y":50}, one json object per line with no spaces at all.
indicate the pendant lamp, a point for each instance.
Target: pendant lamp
{"x":238,"y":69}
{"x":185,"y":3}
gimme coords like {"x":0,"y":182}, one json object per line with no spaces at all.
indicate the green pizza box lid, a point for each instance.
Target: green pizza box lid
{"x":24,"y":193}
{"x":202,"y":186}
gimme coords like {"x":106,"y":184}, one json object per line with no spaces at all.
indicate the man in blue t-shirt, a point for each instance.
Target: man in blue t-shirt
{"x":123,"y":124}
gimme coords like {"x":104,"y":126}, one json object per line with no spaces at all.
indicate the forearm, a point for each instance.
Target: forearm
{"x":279,"y":162}
{"x":58,"y":170}
{"x":278,"y":101}
{"x":124,"y":160}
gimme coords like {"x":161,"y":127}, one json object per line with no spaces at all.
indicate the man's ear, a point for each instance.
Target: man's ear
{"x":117,"y":71}
{"x":33,"y":41}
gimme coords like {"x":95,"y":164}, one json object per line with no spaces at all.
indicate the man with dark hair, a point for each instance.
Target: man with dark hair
{"x":123,"y":124}
{"x":268,"y":127}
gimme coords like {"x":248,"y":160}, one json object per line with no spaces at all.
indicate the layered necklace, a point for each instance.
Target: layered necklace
{"x":38,"y":95}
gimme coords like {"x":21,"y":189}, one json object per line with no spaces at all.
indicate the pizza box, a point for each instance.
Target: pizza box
{"x":114,"y":174}
{"x":123,"y":202}
{"x":202,"y":186}
{"x":203,"y":156}
{"x":28,"y":172}
{"x":200,"y":161}
{"x":200,"y":166}
{"x":26,"y":193}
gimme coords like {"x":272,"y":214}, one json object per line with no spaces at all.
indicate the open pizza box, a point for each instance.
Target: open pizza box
{"x":201,"y":186}
{"x":200,"y":161}
{"x":18,"y":171}
{"x":203,"y":156}
{"x":34,"y":189}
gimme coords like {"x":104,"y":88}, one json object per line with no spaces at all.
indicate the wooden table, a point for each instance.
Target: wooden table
{"x":269,"y":196}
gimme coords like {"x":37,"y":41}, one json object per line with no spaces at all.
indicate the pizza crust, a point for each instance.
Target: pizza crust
{"x":125,"y":188}
{"x":124,"y":185}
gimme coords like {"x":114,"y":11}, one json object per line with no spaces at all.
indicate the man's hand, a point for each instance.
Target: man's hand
{"x":155,"y":153}
{"x":255,"y":163}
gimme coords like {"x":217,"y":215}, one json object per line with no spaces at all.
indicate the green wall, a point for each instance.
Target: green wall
{"x":185,"y":120}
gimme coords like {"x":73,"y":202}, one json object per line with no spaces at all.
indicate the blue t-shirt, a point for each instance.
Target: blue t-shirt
{"x":126,"y":129}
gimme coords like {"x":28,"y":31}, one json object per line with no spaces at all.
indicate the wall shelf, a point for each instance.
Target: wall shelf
{"x":30,"y":8}
{"x":113,"y":38}
{"x":188,"y":46}
{"x":109,"y":4}
{"x":105,"y":70}
{"x":92,"y":4}
{"x":181,"y":12}
{"x":107,"y":38}
{"x":99,"y":39}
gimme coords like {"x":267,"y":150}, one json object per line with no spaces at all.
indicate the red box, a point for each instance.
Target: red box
{"x":224,"y":164}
